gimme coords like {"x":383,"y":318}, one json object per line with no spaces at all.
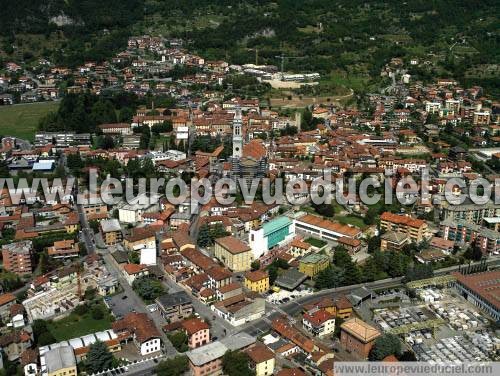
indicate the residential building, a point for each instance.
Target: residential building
{"x":111,"y":231}
{"x":339,"y":307}
{"x":131,"y":211}
{"x":13,"y":344}
{"x":358,"y":337}
{"x":257,"y":281}
{"x":240,"y":309}
{"x":262,"y":359}
{"x":29,"y":362}
{"x":228,"y":291}
{"x":470,"y":212}
{"x":133,"y":271}
{"x":142,"y":330}
{"x":312,"y":264}
{"x":299,"y":248}
{"x":175,"y":307}
{"x":318,"y":322}
{"x":233,"y":253}
{"x":393,"y":241}
{"x":64,"y":249}
{"x":462,"y":232}
{"x":207,"y":360}
{"x":416,"y":229}
{"x":141,"y":238}
{"x":198,"y":332}
{"x":116,"y":129}
{"x":7,"y":300}
{"x":17,"y":257}
{"x":352,"y":246}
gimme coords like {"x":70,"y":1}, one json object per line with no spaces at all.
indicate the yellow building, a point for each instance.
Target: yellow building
{"x":60,"y":361}
{"x":111,"y":231}
{"x":257,"y":281}
{"x":313,"y":264}
{"x":233,"y":253}
{"x":262,"y":359}
{"x":71,"y":224}
{"x":416,"y":229}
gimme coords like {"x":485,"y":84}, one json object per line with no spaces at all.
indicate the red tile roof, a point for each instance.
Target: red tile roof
{"x":259,"y":353}
{"x":138,"y":324}
{"x":7,"y":298}
{"x":133,"y":268}
{"x":192,"y":326}
{"x":318,"y":317}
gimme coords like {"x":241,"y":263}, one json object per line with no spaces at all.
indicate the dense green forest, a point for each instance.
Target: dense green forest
{"x":454,"y":37}
{"x":70,"y":30}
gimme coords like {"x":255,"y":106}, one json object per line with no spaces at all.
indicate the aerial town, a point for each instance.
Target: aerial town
{"x":151,"y":285}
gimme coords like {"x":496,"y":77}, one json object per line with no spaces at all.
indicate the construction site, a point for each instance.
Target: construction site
{"x":54,"y":296}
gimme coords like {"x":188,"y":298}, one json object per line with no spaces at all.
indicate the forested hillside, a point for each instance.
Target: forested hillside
{"x":454,"y":37}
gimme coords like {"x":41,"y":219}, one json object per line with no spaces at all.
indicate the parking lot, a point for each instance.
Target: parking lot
{"x":121,"y":304}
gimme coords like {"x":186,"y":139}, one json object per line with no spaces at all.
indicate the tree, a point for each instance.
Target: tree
{"x":373,"y":244}
{"x":97,"y":312}
{"x":204,"y":239}
{"x":473,"y":252}
{"x":418,"y":271}
{"x":385,"y":345}
{"x":255,"y":265}
{"x":98,"y":358}
{"x":343,"y":260}
{"x":173,"y":367}
{"x":370,"y":216}
{"x":325,"y":210}
{"x":46,"y":338}
{"x":107,"y":142}
{"x":235,"y":363}
{"x":134,"y":257}
{"x":338,"y":322}
{"x":179,"y":340}
{"x":147,"y":288}
{"x":94,"y":225}
{"x":41,"y":333}
{"x":329,"y":278}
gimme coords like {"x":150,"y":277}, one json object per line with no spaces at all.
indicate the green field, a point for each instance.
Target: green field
{"x":74,"y":326}
{"x":318,"y":243}
{"x":353,"y":220}
{"x":21,"y":120}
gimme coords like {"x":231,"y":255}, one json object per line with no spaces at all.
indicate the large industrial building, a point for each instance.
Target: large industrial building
{"x":481,"y":289}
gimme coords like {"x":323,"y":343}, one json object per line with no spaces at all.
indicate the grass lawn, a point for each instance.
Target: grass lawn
{"x":315,"y":242}
{"x":21,"y":120}
{"x":74,"y":326}
{"x":352,"y":220}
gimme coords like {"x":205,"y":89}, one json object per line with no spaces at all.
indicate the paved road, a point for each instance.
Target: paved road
{"x":133,"y":299}
{"x":293,"y":308}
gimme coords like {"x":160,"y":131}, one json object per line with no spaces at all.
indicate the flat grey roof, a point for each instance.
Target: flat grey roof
{"x":109,"y":225}
{"x":215,"y":350}
{"x":168,"y":300}
{"x":290,"y":279}
{"x":59,"y":358}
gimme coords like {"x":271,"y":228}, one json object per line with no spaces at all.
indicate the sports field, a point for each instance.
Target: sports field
{"x":21,"y":120}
